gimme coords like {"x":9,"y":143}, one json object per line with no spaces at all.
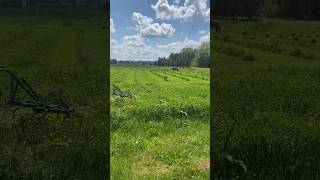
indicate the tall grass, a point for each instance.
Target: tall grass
{"x":49,"y":52}
{"x":265,"y":111}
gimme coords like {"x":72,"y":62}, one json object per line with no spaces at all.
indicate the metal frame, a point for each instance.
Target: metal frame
{"x":37,"y":105}
{"x":116,"y":91}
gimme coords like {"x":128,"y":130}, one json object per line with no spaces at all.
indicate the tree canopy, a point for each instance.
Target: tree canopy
{"x":187,"y":57}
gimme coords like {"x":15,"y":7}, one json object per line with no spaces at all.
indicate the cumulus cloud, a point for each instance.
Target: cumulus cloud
{"x":112,"y":27}
{"x":189,"y":9}
{"x":146,"y":27}
{"x":133,"y":48}
{"x":177,"y":46}
{"x":187,"y":43}
{"x":133,"y":41}
{"x":165,"y":11}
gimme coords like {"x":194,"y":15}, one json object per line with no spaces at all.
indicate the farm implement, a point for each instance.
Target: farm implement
{"x":31,"y":99}
{"x":116,"y":91}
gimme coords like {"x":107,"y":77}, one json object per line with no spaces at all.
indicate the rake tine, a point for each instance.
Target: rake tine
{"x":28,"y":89}
{"x":13,"y":89}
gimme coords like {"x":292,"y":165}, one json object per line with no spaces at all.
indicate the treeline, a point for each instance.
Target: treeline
{"x":188,"y":57}
{"x":114,"y":61}
{"x":293,"y":9}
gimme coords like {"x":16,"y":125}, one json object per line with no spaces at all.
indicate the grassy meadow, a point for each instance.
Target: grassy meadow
{"x":65,"y":54}
{"x":266,"y":99}
{"x":163,"y":132}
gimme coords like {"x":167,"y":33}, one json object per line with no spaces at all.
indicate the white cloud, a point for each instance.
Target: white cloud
{"x":201,"y":6}
{"x":112,"y":27}
{"x":177,"y":46}
{"x":113,"y":42}
{"x":146,"y":27}
{"x":202,"y":32}
{"x":133,"y":48}
{"x":206,"y":15}
{"x":133,"y":41}
{"x":187,"y":43}
{"x":205,"y":38}
{"x":165,"y":11}
{"x":190,"y":8}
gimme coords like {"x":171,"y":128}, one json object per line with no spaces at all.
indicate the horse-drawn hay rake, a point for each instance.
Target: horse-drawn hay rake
{"x":30,"y":100}
{"x":116,"y":91}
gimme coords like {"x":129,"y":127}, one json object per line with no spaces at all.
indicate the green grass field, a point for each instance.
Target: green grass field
{"x":163,"y":132}
{"x":62,"y":53}
{"x":266,"y":99}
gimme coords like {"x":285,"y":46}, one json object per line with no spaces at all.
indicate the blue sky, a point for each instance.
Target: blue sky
{"x":148,"y":29}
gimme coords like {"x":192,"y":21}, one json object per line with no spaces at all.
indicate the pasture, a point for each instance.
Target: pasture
{"x":163,"y":131}
{"x":266,"y":99}
{"x":60,"y":54}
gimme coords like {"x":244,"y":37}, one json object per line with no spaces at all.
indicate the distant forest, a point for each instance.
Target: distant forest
{"x":188,"y":57}
{"x":292,"y":9}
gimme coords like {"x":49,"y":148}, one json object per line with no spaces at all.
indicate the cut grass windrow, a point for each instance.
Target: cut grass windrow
{"x":194,"y":76}
{"x":160,"y":75}
{"x":267,"y":46}
{"x":176,"y":75}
